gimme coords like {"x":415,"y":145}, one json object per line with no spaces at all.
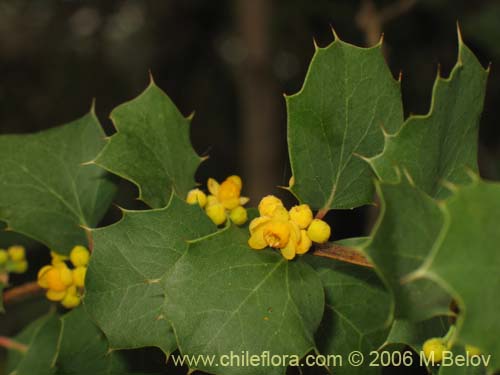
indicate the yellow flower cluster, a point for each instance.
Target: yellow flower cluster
{"x":13,"y":259}
{"x":290,"y":231}
{"x":65,"y":284}
{"x":434,"y":348}
{"x":224,"y":200}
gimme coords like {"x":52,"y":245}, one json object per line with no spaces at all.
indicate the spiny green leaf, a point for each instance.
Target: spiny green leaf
{"x":357,"y":313}
{"x":442,"y":144}
{"x":41,"y":337}
{"x":348,"y":95}
{"x":222,"y":297}
{"x":466,"y":263}
{"x":123,"y":289}
{"x":45,"y":191}
{"x":414,"y":334}
{"x":151,"y":147}
{"x":408,"y":227}
{"x":83,"y":349}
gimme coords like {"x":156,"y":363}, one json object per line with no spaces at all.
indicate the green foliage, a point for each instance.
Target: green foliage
{"x":47,"y":192}
{"x":348,"y":95}
{"x":357,"y":312}
{"x":151,"y":147}
{"x":166,"y":277}
{"x":126,"y":300}
{"x":441,"y":145}
{"x":223,"y":297}
{"x":466,"y":263}
{"x":395,"y":258}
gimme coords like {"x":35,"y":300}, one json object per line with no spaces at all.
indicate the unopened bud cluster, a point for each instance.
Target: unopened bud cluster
{"x":292,"y":232}
{"x":65,"y":284}
{"x":223,"y":202}
{"x":13,"y":260}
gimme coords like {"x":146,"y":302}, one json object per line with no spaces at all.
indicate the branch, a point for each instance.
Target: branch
{"x":371,"y":20}
{"x":342,"y":253}
{"x":8,"y":343}
{"x":21,"y":292}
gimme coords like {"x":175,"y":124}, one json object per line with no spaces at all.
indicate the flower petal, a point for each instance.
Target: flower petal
{"x":213,"y":186}
{"x":256,"y":240}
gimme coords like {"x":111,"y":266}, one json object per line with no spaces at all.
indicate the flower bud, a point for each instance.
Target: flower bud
{"x":268,"y":205}
{"x":71,"y":299}
{"x":434,"y":348}
{"x":16,"y":253}
{"x":216,"y":213}
{"x":79,"y":256}
{"x":318,"y":231}
{"x":301,"y":215}
{"x":238,"y":215}
{"x":196,"y":196}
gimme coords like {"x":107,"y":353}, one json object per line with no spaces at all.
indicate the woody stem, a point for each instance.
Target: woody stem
{"x":342,"y":253}
{"x":8,"y":343}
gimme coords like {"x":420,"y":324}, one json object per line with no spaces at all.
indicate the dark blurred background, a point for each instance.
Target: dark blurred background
{"x":231,"y":62}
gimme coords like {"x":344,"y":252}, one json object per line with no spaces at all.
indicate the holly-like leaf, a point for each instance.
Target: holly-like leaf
{"x":83,"y":349}
{"x":46,"y":192}
{"x":223,"y":297}
{"x":408,"y":227}
{"x":357,"y":313}
{"x":466,"y":263}
{"x":348,"y":95}
{"x":442,"y":144}
{"x":414,"y":334}
{"x":151,"y":147}
{"x":41,"y":338}
{"x":124,"y":292}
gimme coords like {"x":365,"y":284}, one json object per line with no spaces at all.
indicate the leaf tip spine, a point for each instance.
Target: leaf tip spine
{"x":334,"y":33}
{"x":190,"y":117}
{"x":92,"y":106}
{"x":151,"y":79}
{"x":315,"y":44}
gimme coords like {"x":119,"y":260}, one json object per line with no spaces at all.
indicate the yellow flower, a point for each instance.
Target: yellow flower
{"x":55,"y":277}
{"x":238,"y":215}
{"x":224,"y":200}
{"x":319,"y":231}
{"x":268,"y":205}
{"x":280,"y":229}
{"x":79,"y":256}
{"x":434,"y":349}
{"x":16,"y":253}
{"x":196,"y":196}
{"x":216,"y":213}
{"x":277,"y":233}
{"x":302,"y":215}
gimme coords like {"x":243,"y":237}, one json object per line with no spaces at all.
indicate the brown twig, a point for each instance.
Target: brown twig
{"x":21,"y":292}
{"x":342,"y":253}
{"x":8,"y":343}
{"x":371,"y":20}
